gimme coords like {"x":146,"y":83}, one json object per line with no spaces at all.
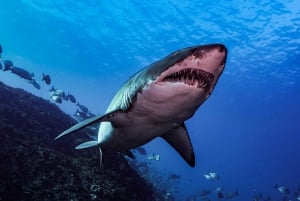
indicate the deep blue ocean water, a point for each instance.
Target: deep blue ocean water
{"x":248,"y":131}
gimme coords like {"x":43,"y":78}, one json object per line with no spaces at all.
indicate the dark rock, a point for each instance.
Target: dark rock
{"x":35,"y":167}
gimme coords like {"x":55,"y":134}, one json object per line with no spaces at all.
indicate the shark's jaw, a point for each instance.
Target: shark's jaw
{"x":192,"y":77}
{"x":178,"y":91}
{"x":201,"y":69}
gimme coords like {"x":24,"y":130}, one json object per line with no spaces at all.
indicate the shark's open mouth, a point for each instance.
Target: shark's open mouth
{"x":191,"y":76}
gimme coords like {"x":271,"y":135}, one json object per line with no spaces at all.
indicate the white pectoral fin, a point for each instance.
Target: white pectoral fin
{"x":87,"y":145}
{"x":87,"y":122}
{"x":179,"y":139}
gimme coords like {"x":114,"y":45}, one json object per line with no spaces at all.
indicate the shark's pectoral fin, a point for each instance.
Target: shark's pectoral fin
{"x":87,"y":145}
{"x":88,"y":122}
{"x":179,"y":139}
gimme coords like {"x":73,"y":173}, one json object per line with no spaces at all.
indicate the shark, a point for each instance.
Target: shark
{"x":157,"y":100}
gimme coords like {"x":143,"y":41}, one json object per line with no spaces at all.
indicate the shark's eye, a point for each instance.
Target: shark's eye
{"x":175,"y":53}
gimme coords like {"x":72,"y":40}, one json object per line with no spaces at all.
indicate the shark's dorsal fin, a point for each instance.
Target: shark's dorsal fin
{"x":179,"y":139}
{"x":87,"y":122}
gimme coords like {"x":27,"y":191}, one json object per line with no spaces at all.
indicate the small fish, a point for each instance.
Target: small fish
{"x":22,"y":73}
{"x":282,"y":189}
{"x":218,"y":189}
{"x":46,"y":79}
{"x":52,"y":91}
{"x":57,"y":92}
{"x":155,"y":157}
{"x":71,"y":98}
{"x":212,"y":176}
{"x":207,"y":176}
{"x":56,"y":99}
{"x":60,"y":93}
{"x":83,"y":108}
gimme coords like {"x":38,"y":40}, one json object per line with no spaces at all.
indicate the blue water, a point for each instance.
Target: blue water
{"x":247,"y":131}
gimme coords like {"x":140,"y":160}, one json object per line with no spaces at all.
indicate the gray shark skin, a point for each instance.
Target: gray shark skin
{"x":157,"y":100}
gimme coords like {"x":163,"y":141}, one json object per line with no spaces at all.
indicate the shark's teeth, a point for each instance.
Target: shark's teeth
{"x":191,"y":76}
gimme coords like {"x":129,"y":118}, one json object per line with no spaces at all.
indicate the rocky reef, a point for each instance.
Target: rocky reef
{"x":36,"y":167}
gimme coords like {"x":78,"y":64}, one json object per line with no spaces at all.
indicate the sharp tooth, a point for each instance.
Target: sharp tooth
{"x":206,"y":76}
{"x":199,"y":84}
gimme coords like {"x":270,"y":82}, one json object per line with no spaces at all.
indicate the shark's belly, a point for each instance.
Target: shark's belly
{"x":147,"y":119}
{"x":134,"y":134}
{"x":155,"y":111}
{"x":168,"y":102}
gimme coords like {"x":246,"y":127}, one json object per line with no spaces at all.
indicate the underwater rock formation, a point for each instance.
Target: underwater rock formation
{"x":35,"y":167}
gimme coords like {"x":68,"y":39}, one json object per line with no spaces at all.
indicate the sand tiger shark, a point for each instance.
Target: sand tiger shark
{"x":157,"y":100}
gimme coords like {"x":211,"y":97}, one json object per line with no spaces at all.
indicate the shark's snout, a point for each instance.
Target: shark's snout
{"x":208,"y":48}
{"x":216,"y":46}
{"x":221,"y":48}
